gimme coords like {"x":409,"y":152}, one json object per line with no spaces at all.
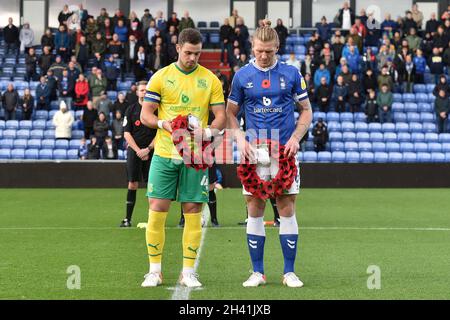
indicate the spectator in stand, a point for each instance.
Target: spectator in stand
{"x":413,"y":39}
{"x":442,"y":109}
{"x":89,"y":117}
{"x":420,"y":64}
{"x":385,"y":79}
{"x":172,"y":54}
{"x":102,"y":17}
{"x":309,"y":85}
{"x":130,"y":53}
{"x":43,"y":95}
{"x":160,"y":22}
{"x":136,"y":31}
{"x":353,"y":58}
{"x":93,"y":149}
{"x":63,"y":120}
{"x":323,"y":95}
{"x":321,"y":72}
{"x":47,"y":39}
{"x":427,"y":45}
{"x":64,"y":15}
{"x":119,"y":16}
{"x":117,"y":129}
{"x":173,"y":21}
{"x":360,"y":28}
{"x":346,"y":16}
{"x":121,"y":30}
{"x":226,"y":37}
{"x":26,"y":37}
{"x":346,"y":74}
{"x":330,"y":66}
{"x":74,"y":23}
{"x":337,"y":42}
{"x":440,"y":39}
{"x":432,"y":24}
{"x":57,"y":67}
{"x":81,"y":93}
{"x":292,"y":61}
{"x":408,"y":22}
{"x":436,"y":64}
{"x":27,"y":104}
{"x":104,"y":106}
{"x":283,"y":33}
{"x":417,"y":15}
{"x":369,"y":60}
{"x":31,"y":63}
{"x":62,"y":43}
{"x":133,"y":18}
{"x":442,"y":85}
{"x":74,"y":70}
{"x":356,"y":40}
{"x":99,"y":45}
{"x":388,"y":26}
{"x":409,"y":77}
{"x":339,"y":96}
{"x":156,"y":61}
{"x":384,"y":101}
{"x":98,"y":61}
{"x":82,"y":150}
{"x":11,"y":36}
{"x":131,"y":96}
{"x":171,"y":32}
{"x":145,"y":20}
{"x":324,"y":29}
{"x":320,"y":134}
{"x":115,"y":47}
{"x":370,"y":81}
{"x":243,"y":35}
{"x":10,"y":101}
{"x":66,"y":86}
{"x":109,"y":150}
{"x":107,"y":30}
{"x":149,"y":34}
{"x":315,"y":43}
{"x":112,"y":71}
{"x":233,"y":18}
{"x":371,"y":109}
{"x":82,"y":53}
{"x":101,"y":128}
{"x":186,"y":22}
{"x":355,"y":93}
{"x":120,"y":104}
{"x":98,"y":84}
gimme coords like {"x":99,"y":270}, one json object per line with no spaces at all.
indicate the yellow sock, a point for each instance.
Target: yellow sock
{"x":191,"y":238}
{"x":155,"y":235}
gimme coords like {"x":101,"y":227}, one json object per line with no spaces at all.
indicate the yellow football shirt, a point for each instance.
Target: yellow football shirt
{"x":181,"y":93}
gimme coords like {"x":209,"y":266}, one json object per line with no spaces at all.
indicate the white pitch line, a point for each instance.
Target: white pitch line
{"x":182,"y":293}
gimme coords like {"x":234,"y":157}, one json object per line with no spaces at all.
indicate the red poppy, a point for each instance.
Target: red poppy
{"x":137,"y":123}
{"x":265,"y":84}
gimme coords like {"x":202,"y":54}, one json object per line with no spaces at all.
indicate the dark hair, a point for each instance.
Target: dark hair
{"x":189,"y":35}
{"x":141,"y":83}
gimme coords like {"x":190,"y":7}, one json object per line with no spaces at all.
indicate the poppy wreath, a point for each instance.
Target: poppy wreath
{"x":287,"y":171}
{"x":190,"y":158}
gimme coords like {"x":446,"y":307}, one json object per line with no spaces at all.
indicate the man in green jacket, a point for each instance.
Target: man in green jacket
{"x":413,"y":40}
{"x":186,"y":22}
{"x":384,"y":101}
{"x":98,"y":84}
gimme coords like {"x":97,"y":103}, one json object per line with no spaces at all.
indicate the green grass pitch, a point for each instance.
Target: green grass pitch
{"x":405,"y":232}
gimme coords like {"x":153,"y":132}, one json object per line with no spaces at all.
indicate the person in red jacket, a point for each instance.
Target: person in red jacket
{"x":81,"y":92}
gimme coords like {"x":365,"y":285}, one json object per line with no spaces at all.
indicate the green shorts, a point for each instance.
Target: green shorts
{"x":171,"y":179}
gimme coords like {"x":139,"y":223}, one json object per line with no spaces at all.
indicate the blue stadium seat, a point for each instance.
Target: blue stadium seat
{"x":431,"y":98}
{"x":300,"y":156}
{"x":73,"y":154}
{"x":333,"y":116}
{"x":32,"y":154}
{"x":48,"y":144}
{"x":334,"y":126}
{"x":346,"y":116}
{"x":214,"y":38}
{"x":367,"y":157}
{"x":39,"y":124}
{"x":61,"y":144}
{"x":214,"y":24}
{"x":406,"y":147}
{"x":5,"y":154}
{"x":415,"y":127}
{"x":360,"y":116}
{"x":49,"y":134}
{"x":398,"y":107}
{"x":411,"y":107}
{"x":420,"y":147}
{"x":20,"y":144}
{"x":23,"y":134}
{"x":374,"y":126}
{"x":352,"y":157}
{"x":6,"y":143}
{"x":12,"y":125}
{"x":348,"y":136}
{"x":423,"y":157}
{"x":381,"y":157}
{"x":1,"y":134}
{"x":112,"y":95}
{"x":397,"y":97}
{"x":347,"y":126}
{"x":361,"y":126}
{"x":444,"y":137}
{"x":335,"y":136}
{"x":362,"y":137}
{"x":447,"y":157}
{"x":60,"y":154}
{"x":409,"y":157}
{"x":364,"y":146}
{"x":421,"y":97}
{"x":420,"y":88}
{"x":395,"y":157}
{"x":336,"y":146}
{"x":431,"y":137}
{"x":37,"y":134}
{"x":430,"y":127}
{"x":122,"y":155}
{"x":34,"y":143}
{"x":54,"y":107}
{"x":309,"y":145}
{"x":430,"y":87}
{"x":424,"y":107}
{"x":45,"y":154}
{"x":409,"y":97}
{"x":399,"y":117}
{"x":26,"y":124}
{"x":437,"y":157}
{"x":49,"y":125}
{"x":202,"y":24}
{"x":77,"y":134}
{"x":413,"y":117}
{"x":78,"y":114}
{"x":9,"y":134}
{"x":318,"y":114}
{"x":309,"y":156}
{"x":427,"y":117}
{"x":445,"y":147}
{"x":390,"y":137}
{"x":378,"y":147}
{"x":403,"y":137}
{"x":74,"y":144}
{"x":324,"y":156}
{"x":434,"y":147}
{"x":392,"y":147}
{"x":41,"y":115}
{"x":350,"y":146}
{"x":18,"y":154}
{"x":388,"y":127}
{"x":417,"y":137}
{"x":2,"y":124}
{"x":376,"y":137}
{"x":338,"y":156}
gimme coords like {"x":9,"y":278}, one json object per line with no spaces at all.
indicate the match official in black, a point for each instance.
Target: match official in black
{"x":140,"y":140}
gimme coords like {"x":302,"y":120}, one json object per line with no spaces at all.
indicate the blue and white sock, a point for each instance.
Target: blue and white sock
{"x":288,"y":240}
{"x":256,"y":236}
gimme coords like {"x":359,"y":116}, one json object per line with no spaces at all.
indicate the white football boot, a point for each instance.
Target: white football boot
{"x":255,"y":280}
{"x":152,"y":279}
{"x":290,"y":279}
{"x":190,"y":280}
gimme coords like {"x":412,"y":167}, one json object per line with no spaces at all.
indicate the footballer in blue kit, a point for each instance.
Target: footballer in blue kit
{"x":269,"y":92}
